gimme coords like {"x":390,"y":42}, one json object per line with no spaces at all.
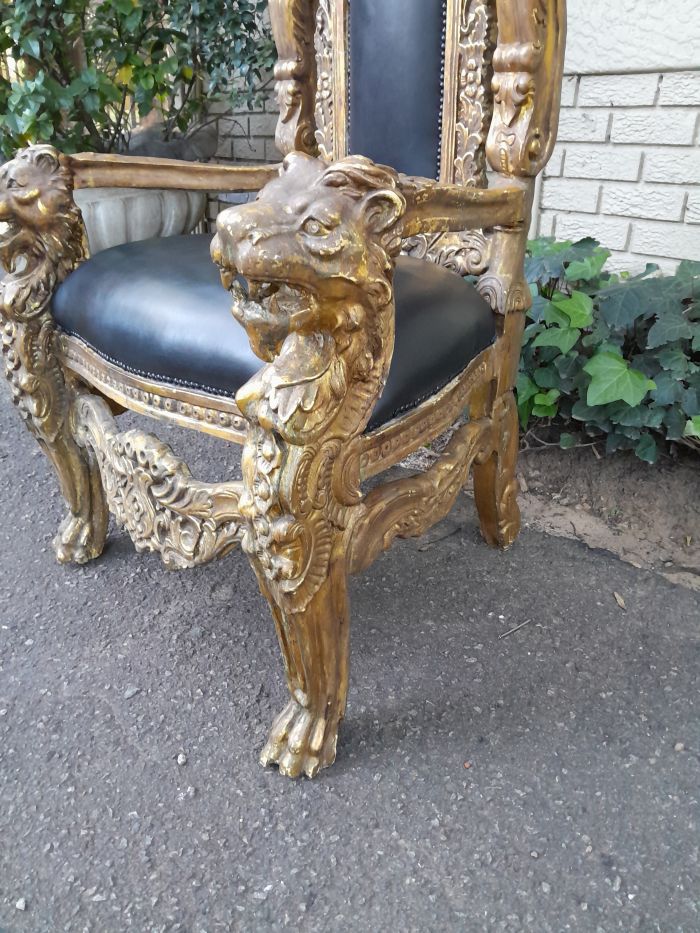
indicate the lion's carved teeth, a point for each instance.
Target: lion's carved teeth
{"x":259,"y":291}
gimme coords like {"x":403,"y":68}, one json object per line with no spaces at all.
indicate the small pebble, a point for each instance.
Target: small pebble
{"x":21,"y":904}
{"x":679,"y":747}
{"x":182,"y":759}
{"x":546,"y":887}
{"x":131,"y":691}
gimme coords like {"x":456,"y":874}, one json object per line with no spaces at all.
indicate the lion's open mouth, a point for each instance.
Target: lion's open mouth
{"x":275,"y":297}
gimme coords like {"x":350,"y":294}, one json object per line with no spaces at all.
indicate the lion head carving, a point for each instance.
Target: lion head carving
{"x":44,"y":237}
{"x":317,"y":239}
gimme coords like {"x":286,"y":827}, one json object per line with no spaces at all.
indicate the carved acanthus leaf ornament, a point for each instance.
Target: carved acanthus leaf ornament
{"x":153,"y":495}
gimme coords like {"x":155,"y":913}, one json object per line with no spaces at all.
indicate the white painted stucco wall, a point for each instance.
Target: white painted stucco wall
{"x":627,"y":166}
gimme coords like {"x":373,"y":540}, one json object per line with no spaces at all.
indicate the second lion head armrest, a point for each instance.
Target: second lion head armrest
{"x":316,"y":251}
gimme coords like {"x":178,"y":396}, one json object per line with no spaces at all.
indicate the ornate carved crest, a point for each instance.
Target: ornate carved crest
{"x":528,"y":65}
{"x":292,"y":26}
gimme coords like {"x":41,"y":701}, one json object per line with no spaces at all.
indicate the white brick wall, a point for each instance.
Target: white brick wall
{"x":627,"y":165}
{"x":245,"y":137}
{"x":626,"y":168}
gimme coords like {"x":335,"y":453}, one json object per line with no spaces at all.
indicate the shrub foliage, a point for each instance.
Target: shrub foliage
{"x":80,"y":73}
{"x":610,"y":356}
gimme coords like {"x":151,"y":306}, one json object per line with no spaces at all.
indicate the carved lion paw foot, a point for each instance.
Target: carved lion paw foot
{"x":300,"y":742}
{"x":76,"y":541}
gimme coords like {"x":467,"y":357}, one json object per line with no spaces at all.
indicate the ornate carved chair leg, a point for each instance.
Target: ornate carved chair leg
{"x":43,"y":240}
{"x":82,"y":534}
{"x":314,"y":645}
{"x":495,"y":484}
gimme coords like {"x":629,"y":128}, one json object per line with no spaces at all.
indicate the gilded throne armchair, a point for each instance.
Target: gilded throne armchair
{"x":361,"y":338}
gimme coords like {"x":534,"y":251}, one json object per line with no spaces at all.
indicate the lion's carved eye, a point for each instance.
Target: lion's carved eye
{"x":11,"y":183}
{"x":314,"y":227}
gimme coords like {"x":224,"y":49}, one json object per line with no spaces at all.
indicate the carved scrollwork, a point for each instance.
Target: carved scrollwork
{"x":477,"y":40}
{"x":152,"y":493}
{"x":464,"y":253}
{"x":495,"y":483}
{"x":528,"y":65}
{"x":44,"y":240}
{"x":316,"y":249}
{"x":406,"y":508}
{"x":323,"y":42}
{"x":295,"y":77}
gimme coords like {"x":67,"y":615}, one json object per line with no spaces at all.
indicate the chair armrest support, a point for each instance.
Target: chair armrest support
{"x":96,"y":170}
{"x":433,"y":207}
{"x":317,"y":248}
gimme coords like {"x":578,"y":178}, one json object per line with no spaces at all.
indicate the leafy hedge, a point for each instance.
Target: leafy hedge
{"x":617,"y":354}
{"x":80,"y":73}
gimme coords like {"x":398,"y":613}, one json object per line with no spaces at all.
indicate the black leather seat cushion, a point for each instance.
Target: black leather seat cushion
{"x":396,"y":57}
{"x":157,"y":308}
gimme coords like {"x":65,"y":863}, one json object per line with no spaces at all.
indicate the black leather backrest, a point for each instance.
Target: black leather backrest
{"x":396,"y":63}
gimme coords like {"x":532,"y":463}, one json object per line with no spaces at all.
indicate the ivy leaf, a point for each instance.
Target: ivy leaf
{"x":675,"y":423}
{"x":614,"y":380}
{"x":578,"y":309}
{"x":669,"y":326}
{"x":622,"y":304}
{"x":547,"y":377}
{"x":674,"y":360}
{"x":525,"y":388}
{"x":538,"y":307}
{"x":583,"y":270}
{"x":547,"y":398}
{"x":646,"y":449}
{"x":554,"y":315}
{"x":689,"y":271}
{"x":692,"y":428}
{"x":668,"y":389}
{"x":567,"y":441}
{"x":563,"y":338}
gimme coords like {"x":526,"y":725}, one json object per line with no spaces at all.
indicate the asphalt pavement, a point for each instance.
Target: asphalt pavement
{"x":545,"y":781}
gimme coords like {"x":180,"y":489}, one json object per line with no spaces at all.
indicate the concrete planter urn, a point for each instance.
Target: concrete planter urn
{"x":124,"y":215}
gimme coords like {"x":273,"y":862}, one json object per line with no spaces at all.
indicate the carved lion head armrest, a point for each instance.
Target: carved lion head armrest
{"x":317,"y":251}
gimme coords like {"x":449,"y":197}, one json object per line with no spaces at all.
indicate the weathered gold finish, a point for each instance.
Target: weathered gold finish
{"x":44,"y":241}
{"x":217,"y":415}
{"x":153,"y":495}
{"x":295,"y":74}
{"x":98,"y":170}
{"x":318,"y":250}
{"x":528,"y":66}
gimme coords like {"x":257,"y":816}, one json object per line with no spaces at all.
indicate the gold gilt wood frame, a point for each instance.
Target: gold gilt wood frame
{"x":319,"y":313}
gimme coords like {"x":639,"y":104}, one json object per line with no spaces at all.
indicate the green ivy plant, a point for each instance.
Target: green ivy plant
{"x":616,"y":355}
{"x":81,"y":73}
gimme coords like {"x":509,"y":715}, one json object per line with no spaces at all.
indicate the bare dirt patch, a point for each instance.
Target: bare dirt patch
{"x":647,"y":515}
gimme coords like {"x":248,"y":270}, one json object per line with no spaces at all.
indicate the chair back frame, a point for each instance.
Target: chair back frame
{"x":502,"y":83}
